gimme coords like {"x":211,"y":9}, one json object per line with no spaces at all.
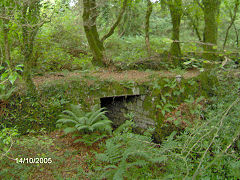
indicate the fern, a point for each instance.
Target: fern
{"x":86,"y":122}
{"x":89,"y":139}
{"x":126,"y":152}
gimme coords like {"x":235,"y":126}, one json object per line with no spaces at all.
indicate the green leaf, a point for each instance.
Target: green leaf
{"x":158,"y":106}
{"x":188,"y":62}
{"x":19,"y":69}
{"x":12,"y":78}
{"x":4,"y":75}
{"x":205,"y":61}
{"x":163,"y":112}
{"x":20,"y":65}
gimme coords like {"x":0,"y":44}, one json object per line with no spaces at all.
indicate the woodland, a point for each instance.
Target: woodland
{"x":59,"y":59}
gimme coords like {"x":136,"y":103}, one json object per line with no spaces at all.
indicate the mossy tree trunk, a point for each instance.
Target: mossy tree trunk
{"x":5,"y":30}
{"x":89,"y":19}
{"x":30,"y":22}
{"x":90,"y":15}
{"x":210,"y":36}
{"x":147,"y":17}
{"x":175,"y":7}
{"x":7,"y":53}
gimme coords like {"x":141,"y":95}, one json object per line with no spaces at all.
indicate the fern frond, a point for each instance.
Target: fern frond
{"x":66,"y":121}
{"x":82,"y":127}
{"x":105,"y":124}
{"x":140,"y":163}
{"x":110,"y":167}
{"x":158,"y":159}
{"x":64,"y":116}
{"x":103,"y":157}
{"x":119,"y":174}
{"x":82,"y":120}
{"x":76,"y":109}
{"x":71,"y":114}
{"x":94,"y":117}
{"x":69,"y":130}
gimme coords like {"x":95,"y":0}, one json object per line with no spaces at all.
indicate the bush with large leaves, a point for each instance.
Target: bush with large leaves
{"x":93,"y":125}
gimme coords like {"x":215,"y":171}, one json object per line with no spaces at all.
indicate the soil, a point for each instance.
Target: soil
{"x":105,"y":74}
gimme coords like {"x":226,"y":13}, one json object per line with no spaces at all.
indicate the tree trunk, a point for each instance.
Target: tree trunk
{"x":175,"y":7}
{"x":27,"y":73}
{"x":90,"y":15}
{"x":27,"y":50}
{"x":7,"y":54}
{"x":89,"y":22}
{"x":148,"y":14}
{"x":5,"y":28}
{"x":30,"y":26}
{"x":211,"y":12}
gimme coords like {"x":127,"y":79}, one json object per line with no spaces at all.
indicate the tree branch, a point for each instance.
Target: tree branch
{"x":199,"y":4}
{"x":233,"y":18}
{"x":111,"y":31}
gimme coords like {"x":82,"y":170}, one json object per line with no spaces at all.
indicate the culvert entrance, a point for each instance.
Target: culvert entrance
{"x":118,"y":106}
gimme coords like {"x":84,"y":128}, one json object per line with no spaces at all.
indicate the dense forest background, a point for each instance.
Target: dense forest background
{"x":57,"y":53}
{"x":50,"y":35}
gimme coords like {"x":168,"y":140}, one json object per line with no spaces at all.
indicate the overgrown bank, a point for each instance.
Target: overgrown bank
{"x":204,"y":135}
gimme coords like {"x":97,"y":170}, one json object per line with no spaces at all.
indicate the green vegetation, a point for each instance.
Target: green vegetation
{"x":86,"y":123}
{"x":68,"y":66}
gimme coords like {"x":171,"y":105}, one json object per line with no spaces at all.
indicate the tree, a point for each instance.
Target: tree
{"x":90,"y":15}
{"x":175,"y":7}
{"x":148,"y":14}
{"x":30,"y":24}
{"x":5,"y":16}
{"x":27,"y":16}
{"x":210,"y":36}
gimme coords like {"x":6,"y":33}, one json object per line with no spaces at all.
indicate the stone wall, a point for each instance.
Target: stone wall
{"x":118,"y":106}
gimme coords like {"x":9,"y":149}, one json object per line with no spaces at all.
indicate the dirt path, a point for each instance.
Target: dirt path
{"x":104,"y":74}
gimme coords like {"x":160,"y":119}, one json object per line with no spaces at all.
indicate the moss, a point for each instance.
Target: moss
{"x":164,"y":130}
{"x":207,"y":82}
{"x":54,"y":98}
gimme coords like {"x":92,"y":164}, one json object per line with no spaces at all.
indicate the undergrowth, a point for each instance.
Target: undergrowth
{"x":208,"y":150}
